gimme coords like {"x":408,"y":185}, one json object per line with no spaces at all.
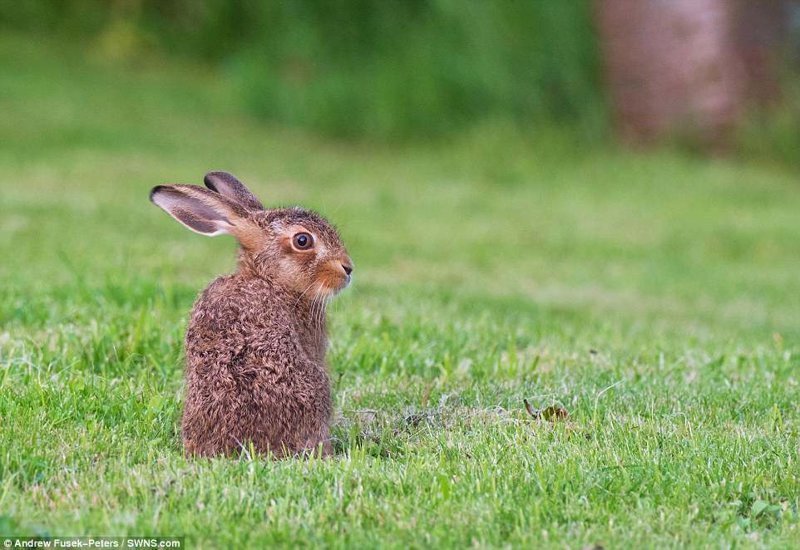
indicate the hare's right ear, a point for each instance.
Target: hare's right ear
{"x":228,"y":186}
{"x":206,"y":212}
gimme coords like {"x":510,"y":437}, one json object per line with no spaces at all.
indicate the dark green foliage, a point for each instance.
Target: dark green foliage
{"x":360,"y":68}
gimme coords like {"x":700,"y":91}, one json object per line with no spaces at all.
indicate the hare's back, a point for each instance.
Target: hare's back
{"x":234,"y":317}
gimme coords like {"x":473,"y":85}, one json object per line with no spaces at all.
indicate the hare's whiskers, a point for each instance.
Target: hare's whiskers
{"x":320,"y":306}
{"x":302,"y":294}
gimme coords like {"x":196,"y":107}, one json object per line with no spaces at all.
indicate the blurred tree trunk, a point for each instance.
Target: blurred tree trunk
{"x":672,"y":69}
{"x":761,"y":30}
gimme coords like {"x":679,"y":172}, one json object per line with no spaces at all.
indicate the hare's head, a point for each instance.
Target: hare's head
{"x":295,"y":248}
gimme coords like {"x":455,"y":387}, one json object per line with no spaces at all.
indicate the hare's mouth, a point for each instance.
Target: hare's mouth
{"x":333,"y":285}
{"x":332,"y":281}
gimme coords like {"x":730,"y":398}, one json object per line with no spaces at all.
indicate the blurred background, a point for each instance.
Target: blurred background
{"x":627,"y":157}
{"x":713,"y":76}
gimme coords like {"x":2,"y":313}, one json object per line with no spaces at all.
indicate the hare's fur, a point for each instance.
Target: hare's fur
{"x":255,"y":346}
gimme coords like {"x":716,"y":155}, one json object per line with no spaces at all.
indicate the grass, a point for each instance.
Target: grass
{"x":655,"y":297}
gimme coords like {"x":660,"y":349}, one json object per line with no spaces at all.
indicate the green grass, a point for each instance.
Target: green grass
{"x":656,"y":298}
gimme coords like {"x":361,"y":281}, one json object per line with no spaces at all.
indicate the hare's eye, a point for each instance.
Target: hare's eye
{"x":303,"y":241}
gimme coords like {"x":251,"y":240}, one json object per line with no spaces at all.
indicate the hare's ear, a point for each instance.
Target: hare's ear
{"x":207,"y":213}
{"x":228,"y":186}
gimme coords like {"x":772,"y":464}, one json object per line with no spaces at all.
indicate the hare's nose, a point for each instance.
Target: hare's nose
{"x":347,"y":268}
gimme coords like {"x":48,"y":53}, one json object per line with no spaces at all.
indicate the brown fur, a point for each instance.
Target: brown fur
{"x":255,"y":346}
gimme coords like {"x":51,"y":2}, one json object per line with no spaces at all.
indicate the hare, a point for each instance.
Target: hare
{"x":255,"y":346}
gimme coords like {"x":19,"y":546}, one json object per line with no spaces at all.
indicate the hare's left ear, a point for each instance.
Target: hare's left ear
{"x":207,"y":213}
{"x":228,"y":186}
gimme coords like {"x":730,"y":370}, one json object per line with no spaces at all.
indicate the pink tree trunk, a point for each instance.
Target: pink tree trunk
{"x":671,"y":68}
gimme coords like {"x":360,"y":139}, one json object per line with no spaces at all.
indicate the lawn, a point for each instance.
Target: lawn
{"x":655,"y":297}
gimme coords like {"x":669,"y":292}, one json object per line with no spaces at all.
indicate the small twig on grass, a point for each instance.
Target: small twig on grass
{"x":604,"y":390}
{"x":600,"y":394}
{"x":531,"y":411}
{"x":551,"y":413}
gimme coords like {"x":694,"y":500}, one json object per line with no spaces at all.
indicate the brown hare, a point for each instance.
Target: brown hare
{"x":255,"y":345}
